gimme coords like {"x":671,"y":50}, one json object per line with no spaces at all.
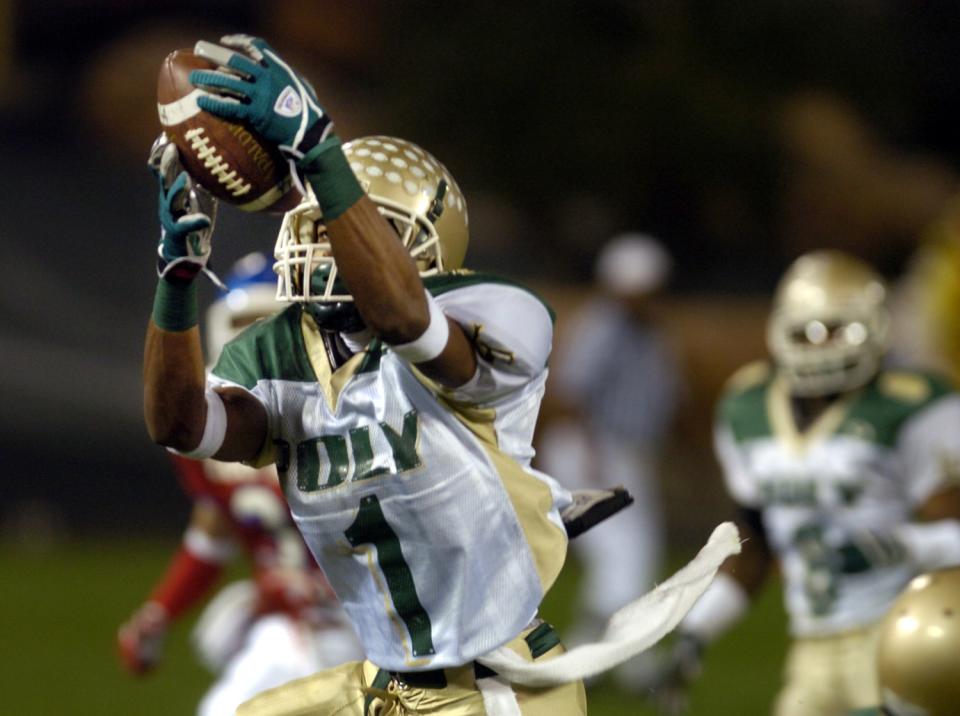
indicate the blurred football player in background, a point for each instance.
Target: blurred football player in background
{"x":926,"y":319}
{"x":282,"y":623}
{"x":614,"y":389}
{"x":844,"y":472}
{"x":917,"y":656}
{"x":398,"y":397}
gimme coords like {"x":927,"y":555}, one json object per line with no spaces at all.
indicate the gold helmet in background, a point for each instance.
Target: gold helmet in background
{"x":919,"y":651}
{"x":412,"y":190}
{"x":829,"y":326}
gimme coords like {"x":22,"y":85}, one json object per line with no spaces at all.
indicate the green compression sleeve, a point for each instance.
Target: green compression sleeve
{"x":175,"y":305}
{"x":331,"y":177}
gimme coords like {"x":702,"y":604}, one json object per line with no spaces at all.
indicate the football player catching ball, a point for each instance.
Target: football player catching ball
{"x":397,"y":396}
{"x":845,"y":472}
{"x":284,"y":622}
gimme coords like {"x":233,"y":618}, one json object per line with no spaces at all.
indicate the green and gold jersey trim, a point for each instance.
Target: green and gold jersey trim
{"x":890,"y":400}
{"x":529,"y":496}
{"x":272,"y":349}
{"x":756,"y":405}
{"x":332,"y":382}
{"x":743,"y":407}
{"x":289,"y":346}
{"x":783,"y":422}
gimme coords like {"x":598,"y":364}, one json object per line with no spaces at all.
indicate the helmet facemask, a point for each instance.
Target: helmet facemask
{"x":303,"y":251}
{"x":307,"y":272}
{"x":828,"y":330}
{"x":416,"y":196}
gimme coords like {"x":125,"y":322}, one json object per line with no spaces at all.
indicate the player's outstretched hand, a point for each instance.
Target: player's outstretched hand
{"x":186,"y":215}
{"x":256,"y":86}
{"x":140,"y":639}
{"x":681,"y":666}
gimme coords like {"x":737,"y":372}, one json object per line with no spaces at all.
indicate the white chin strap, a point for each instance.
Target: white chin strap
{"x":632,"y":629}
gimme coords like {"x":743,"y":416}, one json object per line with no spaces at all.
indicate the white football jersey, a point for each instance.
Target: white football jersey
{"x":419,"y":503}
{"x":831,"y":496}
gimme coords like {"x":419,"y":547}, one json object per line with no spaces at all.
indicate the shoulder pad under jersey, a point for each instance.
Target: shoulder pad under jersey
{"x":441,"y":283}
{"x":270,"y":348}
{"x":742,"y":405}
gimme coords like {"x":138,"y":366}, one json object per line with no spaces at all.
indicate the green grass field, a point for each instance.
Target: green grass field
{"x":59,"y":611}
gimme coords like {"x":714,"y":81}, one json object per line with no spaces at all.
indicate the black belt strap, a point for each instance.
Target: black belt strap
{"x":540,"y":640}
{"x":433,"y":679}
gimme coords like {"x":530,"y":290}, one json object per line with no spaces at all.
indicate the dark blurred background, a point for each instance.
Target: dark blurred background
{"x":739,"y":134}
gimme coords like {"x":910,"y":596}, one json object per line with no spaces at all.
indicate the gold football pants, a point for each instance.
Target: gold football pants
{"x":362,"y":689}
{"x":829,"y":676}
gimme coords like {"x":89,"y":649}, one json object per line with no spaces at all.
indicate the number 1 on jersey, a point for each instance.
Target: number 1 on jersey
{"x":371,"y":527}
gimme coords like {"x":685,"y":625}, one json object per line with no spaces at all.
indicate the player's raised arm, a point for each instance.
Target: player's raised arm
{"x":393,"y":303}
{"x":375,"y":266}
{"x":178,"y":409}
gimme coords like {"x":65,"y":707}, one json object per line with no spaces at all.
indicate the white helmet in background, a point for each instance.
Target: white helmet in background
{"x":828,"y":330}
{"x":632,"y":264}
{"x":251,"y":294}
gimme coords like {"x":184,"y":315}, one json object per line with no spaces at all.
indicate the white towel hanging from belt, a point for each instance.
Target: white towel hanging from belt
{"x":632,"y":629}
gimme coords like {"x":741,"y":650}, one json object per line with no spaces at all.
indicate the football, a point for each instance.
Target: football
{"x":229,"y":160}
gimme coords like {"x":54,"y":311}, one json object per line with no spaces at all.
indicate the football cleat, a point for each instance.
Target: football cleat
{"x":829,"y":326}
{"x":591,"y":507}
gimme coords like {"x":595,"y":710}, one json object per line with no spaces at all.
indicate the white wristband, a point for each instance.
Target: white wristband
{"x":932,"y":545}
{"x":432,"y":341}
{"x":720,"y":607}
{"x":214,"y":430}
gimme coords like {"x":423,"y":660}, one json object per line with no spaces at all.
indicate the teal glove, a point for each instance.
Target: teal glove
{"x":186,"y":215}
{"x":261,"y":90}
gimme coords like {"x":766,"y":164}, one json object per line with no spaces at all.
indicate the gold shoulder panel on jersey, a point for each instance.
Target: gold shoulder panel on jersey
{"x":530,"y":497}
{"x":331,"y":381}
{"x":749,"y":376}
{"x":905,"y":387}
{"x":893,"y":398}
{"x":266,"y":456}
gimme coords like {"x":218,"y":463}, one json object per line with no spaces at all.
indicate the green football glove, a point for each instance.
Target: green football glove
{"x":255,"y":86}
{"x":186,"y":214}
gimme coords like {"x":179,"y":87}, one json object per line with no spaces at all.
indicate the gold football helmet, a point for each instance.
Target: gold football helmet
{"x":828,"y":328}
{"x":412,"y":190}
{"x":919,"y":647}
